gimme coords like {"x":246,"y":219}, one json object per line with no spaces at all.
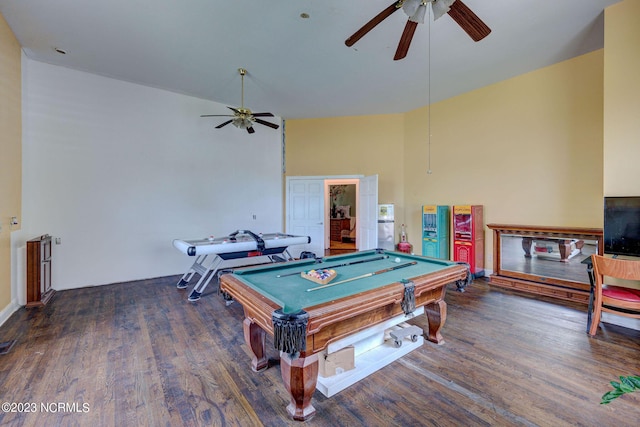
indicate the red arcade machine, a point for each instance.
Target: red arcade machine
{"x":468,"y":237}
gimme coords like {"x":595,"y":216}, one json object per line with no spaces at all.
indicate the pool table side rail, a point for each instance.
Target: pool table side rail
{"x":458,"y":272}
{"x":257,"y":307}
{"x":426,"y":289}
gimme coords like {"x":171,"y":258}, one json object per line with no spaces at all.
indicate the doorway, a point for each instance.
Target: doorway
{"x":342,"y":195}
{"x":308,"y":211}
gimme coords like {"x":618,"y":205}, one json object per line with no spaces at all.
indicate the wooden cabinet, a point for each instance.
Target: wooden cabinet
{"x":544,"y":260}
{"x":39,"y":290}
{"x":337,"y":225}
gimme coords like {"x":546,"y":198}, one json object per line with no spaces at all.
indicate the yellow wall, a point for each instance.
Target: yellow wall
{"x":11,"y":146}
{"x":529,"y":149}
{"x":622,"y":99}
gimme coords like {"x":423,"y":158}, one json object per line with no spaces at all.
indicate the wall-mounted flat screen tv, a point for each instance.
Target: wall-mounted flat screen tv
{"x":622,"y":226}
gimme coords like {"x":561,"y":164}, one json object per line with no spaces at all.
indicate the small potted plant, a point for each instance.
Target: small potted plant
{"x":627,"y":384}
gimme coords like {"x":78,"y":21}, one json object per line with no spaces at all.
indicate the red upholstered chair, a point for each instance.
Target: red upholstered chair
{"x":623,"y":301}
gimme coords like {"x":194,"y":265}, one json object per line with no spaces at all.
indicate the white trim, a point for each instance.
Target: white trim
{"x":6,"y":313}
{"x":325,"y":177}
{"x":626,"y":322}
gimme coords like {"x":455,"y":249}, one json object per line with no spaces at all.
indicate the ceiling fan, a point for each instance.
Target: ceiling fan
{"x":416,"y":10}
{"x":243,"y":118}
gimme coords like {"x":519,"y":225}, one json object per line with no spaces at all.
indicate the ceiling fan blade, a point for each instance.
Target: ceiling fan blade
{"x":235,"y":110}
{"x":371,"y":24}
{"x":223,"y":124}
{"x":216,"y":115}
{"x":468,"y":21}
{"x":405,"y":40}
{"x":250,"y":129}
{"x":263,"y":122}
{"x":262,"y":114}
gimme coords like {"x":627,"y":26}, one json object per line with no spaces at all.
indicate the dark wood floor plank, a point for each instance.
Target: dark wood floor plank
{"x":140,"y":354}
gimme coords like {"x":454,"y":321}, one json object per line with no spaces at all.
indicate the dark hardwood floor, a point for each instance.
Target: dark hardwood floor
{"x":139,"y":354}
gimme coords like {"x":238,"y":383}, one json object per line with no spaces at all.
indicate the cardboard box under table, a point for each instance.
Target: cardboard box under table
{"x":337,"y":363}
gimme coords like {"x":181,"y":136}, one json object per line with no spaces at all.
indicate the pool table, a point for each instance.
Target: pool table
{"x":304,"y":317}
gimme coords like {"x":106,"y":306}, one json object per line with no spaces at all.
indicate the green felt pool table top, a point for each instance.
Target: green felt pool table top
{"x":283,"y":284}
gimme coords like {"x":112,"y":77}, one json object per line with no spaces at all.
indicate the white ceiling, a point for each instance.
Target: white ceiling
{"x":301,"y":68}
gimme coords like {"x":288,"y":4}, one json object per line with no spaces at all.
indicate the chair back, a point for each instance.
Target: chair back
{"x":619,"y":300}
{"x":613,"y":267}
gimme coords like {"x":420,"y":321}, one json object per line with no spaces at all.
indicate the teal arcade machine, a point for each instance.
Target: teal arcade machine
{"x":435,"y":231}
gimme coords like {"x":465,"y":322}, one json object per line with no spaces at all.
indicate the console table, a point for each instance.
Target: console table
{"x":530,"y":280}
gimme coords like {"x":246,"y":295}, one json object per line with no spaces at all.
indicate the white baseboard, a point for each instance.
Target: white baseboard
{"x":20,"y":290}
{"x":627,"y":322}
{"x":7,"y":312}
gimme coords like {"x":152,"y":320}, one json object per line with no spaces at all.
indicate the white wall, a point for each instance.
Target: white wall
{"x":118,"y":170}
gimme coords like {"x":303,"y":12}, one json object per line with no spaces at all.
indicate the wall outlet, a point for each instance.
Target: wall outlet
{"x":58,"y":240}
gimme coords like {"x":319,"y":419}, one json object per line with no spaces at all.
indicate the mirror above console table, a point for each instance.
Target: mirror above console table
{"x":544,"y":260}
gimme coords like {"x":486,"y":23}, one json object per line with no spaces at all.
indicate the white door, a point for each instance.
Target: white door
{"x":367,"y":213}
{"x":305,"y":214}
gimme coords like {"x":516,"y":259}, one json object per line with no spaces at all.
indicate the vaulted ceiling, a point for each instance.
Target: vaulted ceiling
{"x":294,"y":50}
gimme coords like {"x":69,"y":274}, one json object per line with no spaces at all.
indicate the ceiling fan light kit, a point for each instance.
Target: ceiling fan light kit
{"x":440,"y":7}
{"x":242,"y":117}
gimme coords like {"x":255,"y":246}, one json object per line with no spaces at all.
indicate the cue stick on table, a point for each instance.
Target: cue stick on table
{"x":336,"y":266}
{"x":363,"y":276}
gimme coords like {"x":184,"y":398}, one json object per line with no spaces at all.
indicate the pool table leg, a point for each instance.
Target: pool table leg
{"x":300,"y":376}
{"x":564,"y":247}
{"x":526,"y":246}
{"x":255,"y":337}
{"x":436,"y":314}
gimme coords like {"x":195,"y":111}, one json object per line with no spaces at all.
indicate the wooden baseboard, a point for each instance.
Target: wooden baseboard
{"x":553,"y":291}
{"x":44,"y":301}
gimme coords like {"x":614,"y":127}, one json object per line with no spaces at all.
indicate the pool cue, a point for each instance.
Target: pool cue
{"x":363,"y":276}
{"x":336,"y":266}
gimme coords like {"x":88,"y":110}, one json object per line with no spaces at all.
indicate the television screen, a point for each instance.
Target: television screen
{"x":622,"y":226}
